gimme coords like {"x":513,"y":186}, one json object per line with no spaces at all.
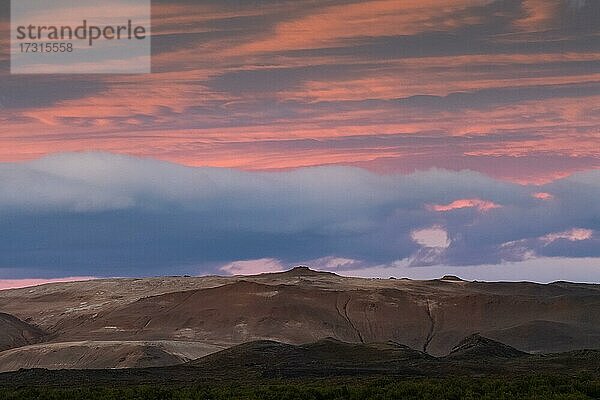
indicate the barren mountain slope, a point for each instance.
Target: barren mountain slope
{"x":259,"y":361}
{"x":302,"y":306}
{"x":102,"y":355}
{"x":48,"y":304}
{"x":327,"y":356}
{"x":16,"y":333}
{"x":477,"y":347}
{"x":245,"y":311}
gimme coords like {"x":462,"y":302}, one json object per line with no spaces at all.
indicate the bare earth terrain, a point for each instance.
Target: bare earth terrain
{"x":120,"y":323}
{"x":16,"y":333}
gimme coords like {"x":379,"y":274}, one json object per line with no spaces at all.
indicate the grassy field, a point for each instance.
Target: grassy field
{"x":532,"y":387}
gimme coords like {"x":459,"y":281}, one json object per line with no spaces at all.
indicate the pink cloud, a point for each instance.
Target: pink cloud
{"x":543,"y":196}
{"x":540,"y":15}
{"x":22,"y":283}
{"x":481,"y":205}
{"x":573,"y":235}
{"x":252,"y":267}
{"x":128,"y":111}
{"x":333,"y":25}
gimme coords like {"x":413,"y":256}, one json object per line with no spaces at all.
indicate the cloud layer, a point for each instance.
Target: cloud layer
{"x":100,"y":214}
{"x":509,"y":88}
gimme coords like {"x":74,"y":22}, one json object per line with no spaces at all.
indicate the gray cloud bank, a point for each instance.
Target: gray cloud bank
{"x":108,"y":215}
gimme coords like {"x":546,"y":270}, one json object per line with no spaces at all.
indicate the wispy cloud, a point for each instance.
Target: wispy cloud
{"x":481,"y":205}
{"x":293,"y":84}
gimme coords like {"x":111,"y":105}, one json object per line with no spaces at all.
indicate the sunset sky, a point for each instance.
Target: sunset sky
{"x":445,"y":135}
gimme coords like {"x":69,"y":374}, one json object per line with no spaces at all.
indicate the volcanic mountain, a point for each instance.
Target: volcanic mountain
{"x":161,"y":321}
{"x":267,"y":362}
{"x":325,"y":357}
{"x":477,"y":346}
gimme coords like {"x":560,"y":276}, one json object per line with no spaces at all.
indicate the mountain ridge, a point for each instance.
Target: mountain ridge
{"x":303,"y":306}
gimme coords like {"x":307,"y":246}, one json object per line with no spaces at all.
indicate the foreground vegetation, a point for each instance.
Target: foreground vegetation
{"x":533,"y":387}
